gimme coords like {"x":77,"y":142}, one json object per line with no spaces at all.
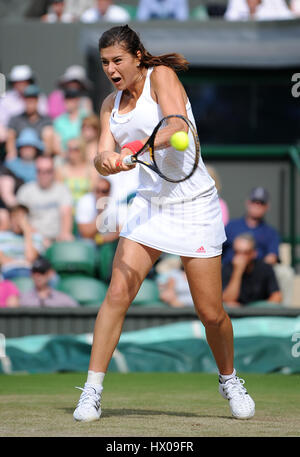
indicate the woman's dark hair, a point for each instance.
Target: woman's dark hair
{"x":130,"y":40}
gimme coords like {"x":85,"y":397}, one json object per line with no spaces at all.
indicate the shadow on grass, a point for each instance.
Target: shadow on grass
{"x":109,"y":413}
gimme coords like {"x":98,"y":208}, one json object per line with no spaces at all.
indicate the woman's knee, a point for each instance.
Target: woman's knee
{"x":212,"y":318}
{"x":119,"y":295}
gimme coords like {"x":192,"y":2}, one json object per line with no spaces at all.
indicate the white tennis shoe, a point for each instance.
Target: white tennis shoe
{"x":241,"y":404}
{"x":89,"y":406}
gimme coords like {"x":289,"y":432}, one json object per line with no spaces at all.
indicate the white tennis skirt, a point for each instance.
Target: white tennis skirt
{"x":192,"y":228}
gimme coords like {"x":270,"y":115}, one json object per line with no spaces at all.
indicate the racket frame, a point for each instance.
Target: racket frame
{"x":149,"y":146}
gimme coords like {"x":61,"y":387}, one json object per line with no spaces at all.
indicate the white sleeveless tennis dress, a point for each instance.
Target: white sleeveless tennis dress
{"x":178,"y":218}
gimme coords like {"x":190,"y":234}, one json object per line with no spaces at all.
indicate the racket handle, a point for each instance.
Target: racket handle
{"x":128,"y":160}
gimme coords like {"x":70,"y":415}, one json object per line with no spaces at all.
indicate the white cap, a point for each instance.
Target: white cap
{"x":75,"y":73}
{"x":20,"y":73}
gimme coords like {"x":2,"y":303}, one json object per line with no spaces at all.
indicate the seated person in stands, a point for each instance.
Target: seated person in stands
{"x":266,"y":237}
{"x":259,"y":10}
{"x":173,"y":286}
{"x":43,"y":294}
{"x":49,"y":203}
{"x":30,"y":118}
{"x":247,"y":279}
{"x":20,"y":245}
{"x":92,"y":213}
{"x":29,"y":146}
{"x":9,"y":294}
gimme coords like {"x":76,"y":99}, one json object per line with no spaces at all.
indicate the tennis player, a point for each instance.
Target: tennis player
{"x":188,"y":224}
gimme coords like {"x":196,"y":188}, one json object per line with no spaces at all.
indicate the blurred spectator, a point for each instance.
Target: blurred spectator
{"x":90,"y":132}
{"x":266,"y":237}
{"x":30,"y":118}
{"x":20,"y":245}
{"x":57,"y":13}
{"x":9,"y":185}
{"x":162,"y":9}
{"x":9,"y":294}
{"x":4,"y":219}
{"x":91,"y":214}
{"x":75,"y":8}
{"x":43,"y":294}
{"x":105,"y":10}
{"x":261,"y":10}
{"x":68,"y":125}
{"x":37,"y":8}
{"x":29,"y":146}
{"x":247,"y":279}
{"x":224,"y":207}
{"x":74,"y":78}
{"x":49,"y":203}
{"x":78,"y":174}
{"x":173,"y":285}
{"x":12,"y":103}
{"x":295,"y":7}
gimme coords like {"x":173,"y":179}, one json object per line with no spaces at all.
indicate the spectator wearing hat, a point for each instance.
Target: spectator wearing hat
{"x":29,"y":146}
{"x":43,"y":295}
{"x":57,"y":13}
{"x":247,"y":279}
{"x":73,"y":78}
{"x":30,"y":118}
{"x":20,"y":245}
{"x":49,"y":203}
{"x":68,"y":125}
{"x":12,"y":103}
{"x":266,"y":237}
{"x":105,"y":10}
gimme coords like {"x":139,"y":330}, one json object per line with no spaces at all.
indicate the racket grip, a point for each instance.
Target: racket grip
{"x":128,"y":160}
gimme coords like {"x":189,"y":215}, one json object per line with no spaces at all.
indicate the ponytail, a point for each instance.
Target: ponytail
{"x":130,"y":39}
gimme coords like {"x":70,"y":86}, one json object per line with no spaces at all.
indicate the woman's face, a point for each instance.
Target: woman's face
{"x":120,"y":66}
{"x":28,"y":153}
{"x":89,"y":133}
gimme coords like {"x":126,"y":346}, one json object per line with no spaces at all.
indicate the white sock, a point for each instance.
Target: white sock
{"x":224,"y":377}
{"x":95,"y":378}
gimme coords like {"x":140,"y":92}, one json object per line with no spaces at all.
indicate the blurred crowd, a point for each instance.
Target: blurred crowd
{"x":49,"y":187}
{"x":50,"y":190}
{"x":92,"y":11}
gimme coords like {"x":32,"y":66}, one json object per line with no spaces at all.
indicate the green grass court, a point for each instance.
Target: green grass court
{"x":147,"y":404}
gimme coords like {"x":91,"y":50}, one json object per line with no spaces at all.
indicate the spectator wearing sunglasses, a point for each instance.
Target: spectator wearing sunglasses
{"x":49,"y":203}
{"x":247,"y":279}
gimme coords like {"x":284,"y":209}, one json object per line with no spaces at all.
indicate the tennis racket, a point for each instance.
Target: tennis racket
{"x":170,"y":164}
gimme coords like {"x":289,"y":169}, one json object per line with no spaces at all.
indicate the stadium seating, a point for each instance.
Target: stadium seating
{"x":85,"y":290}
{"x":148,"y":295}
{"x":24,"y":284}
{"x":104,"y":259}
{"x":131,"y":10}
{"x":72,"y":256}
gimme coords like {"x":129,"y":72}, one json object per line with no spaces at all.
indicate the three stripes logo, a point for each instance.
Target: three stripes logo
{"x":201,"y":249}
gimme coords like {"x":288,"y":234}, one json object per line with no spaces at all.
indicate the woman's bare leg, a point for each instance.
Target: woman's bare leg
{"x":205,"y":281}
{"x":131,"y":265}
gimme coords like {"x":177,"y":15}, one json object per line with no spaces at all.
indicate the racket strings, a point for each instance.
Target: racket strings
{"x":172,"y":164}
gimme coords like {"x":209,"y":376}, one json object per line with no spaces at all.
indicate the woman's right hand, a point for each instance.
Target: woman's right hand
{"x":105,"y":163}
{"x":109,"y":163}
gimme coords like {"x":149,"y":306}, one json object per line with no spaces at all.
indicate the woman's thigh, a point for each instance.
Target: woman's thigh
{"x":205,"y":282}
{"x":131,"y":265}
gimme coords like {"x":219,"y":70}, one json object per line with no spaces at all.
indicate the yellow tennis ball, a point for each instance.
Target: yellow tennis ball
{"x":179,"y":141}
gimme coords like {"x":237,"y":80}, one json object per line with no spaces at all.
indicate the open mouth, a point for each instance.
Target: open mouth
{"x":116,"y":80}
